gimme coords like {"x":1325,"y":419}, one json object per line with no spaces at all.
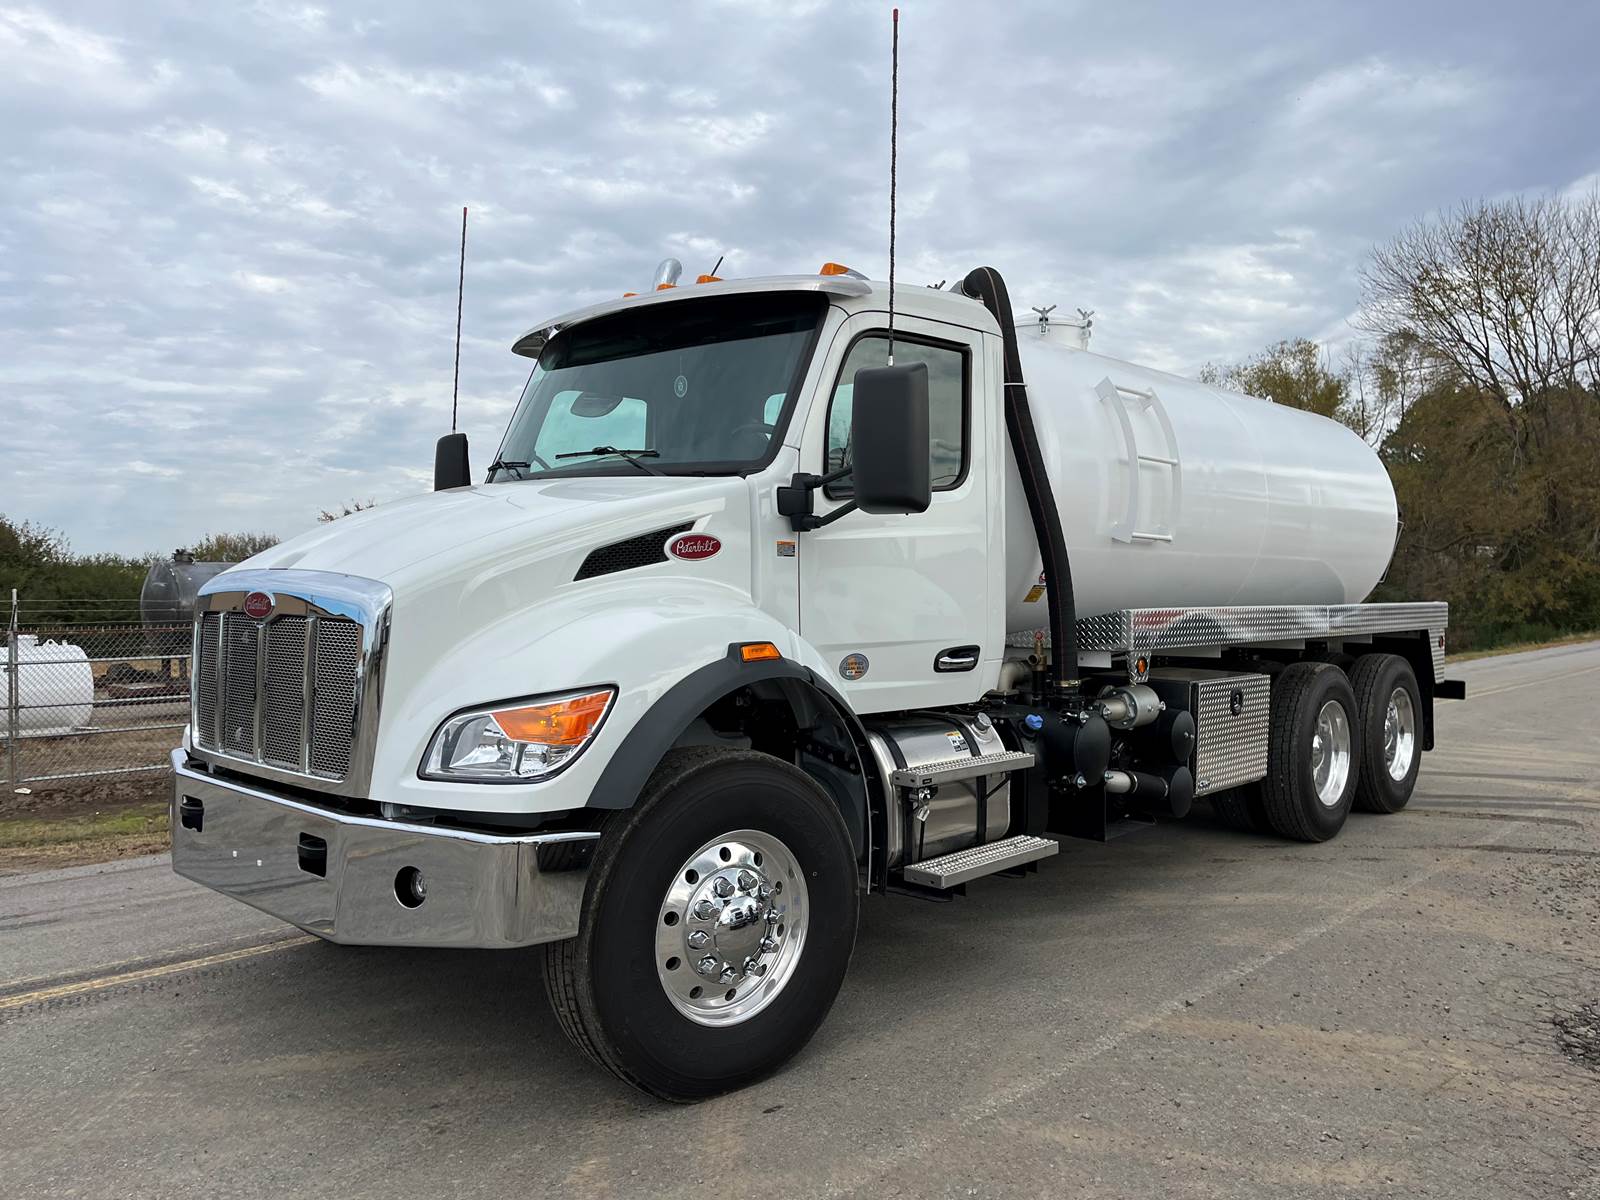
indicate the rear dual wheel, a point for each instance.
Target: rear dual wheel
{"x":1390,"y":706}
{"x":718,"y":920}
{"x":1314,"y":752}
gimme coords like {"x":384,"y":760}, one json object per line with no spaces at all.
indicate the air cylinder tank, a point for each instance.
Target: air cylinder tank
{"x":55,"y":686}
{"x":1174,"y":494}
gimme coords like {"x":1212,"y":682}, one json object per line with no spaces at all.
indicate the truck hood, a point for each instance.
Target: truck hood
{"x":473,"y":528}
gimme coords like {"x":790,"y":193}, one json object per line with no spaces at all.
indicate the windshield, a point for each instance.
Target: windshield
{"x":695,"y":387}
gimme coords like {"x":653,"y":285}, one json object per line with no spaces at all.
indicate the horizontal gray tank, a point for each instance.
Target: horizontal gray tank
{"x":166,"y":601}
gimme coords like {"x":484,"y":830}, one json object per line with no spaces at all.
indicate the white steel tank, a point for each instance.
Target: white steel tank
{"x":55,"y":687}
{"x":1176,"y":495}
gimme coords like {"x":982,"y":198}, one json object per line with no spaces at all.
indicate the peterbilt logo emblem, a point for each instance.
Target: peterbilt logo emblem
{"x":257,"y":605}
{"x":692,"y":547}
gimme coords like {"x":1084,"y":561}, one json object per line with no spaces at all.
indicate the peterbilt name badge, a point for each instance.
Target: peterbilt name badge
{"x":854,"y":666}
{"x":257,"y":605}
{"x":692,"y":547}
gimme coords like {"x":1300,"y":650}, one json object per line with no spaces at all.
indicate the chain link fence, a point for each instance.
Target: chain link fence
{"x":90,"y":700}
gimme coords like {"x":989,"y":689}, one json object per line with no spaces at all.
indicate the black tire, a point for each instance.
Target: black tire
{"x":603,"y":984}
{"x":1241,"y":808}
{"x":1289,"y":792}
{"x":1374,"y":679}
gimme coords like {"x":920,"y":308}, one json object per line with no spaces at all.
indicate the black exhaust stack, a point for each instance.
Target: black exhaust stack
{"x":985,"y":285}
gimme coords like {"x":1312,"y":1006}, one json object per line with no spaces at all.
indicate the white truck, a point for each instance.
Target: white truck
{"x":766,"y":603}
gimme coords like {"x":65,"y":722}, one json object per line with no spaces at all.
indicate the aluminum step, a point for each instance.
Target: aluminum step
{"x":951,"y":870}
{"x":948,"y":770}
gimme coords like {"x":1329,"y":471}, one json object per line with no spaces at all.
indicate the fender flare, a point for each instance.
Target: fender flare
{"x":624,"y":776}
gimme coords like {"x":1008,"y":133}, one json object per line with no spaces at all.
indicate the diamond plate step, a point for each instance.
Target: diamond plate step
{"x":950,"y":870}
{"x":948,"y":770}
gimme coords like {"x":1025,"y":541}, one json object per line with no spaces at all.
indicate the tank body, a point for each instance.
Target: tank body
{"x":170,"y":587}
{"x":1174,"y":494}
{"x":55,"y":687}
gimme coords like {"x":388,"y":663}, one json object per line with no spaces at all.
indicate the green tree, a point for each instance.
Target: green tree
{"x":232,"y":547}
{"x":1295,"y":372}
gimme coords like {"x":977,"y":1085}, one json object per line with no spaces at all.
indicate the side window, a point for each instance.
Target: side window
{"x":577,"y":421}
{"x":947,"y":415}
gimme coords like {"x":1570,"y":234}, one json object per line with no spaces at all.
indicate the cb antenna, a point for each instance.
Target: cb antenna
{"x":461,"y":286}
{"x":894,"y":141}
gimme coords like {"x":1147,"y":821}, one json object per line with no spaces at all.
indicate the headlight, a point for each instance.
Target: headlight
{"x":516,"y":743}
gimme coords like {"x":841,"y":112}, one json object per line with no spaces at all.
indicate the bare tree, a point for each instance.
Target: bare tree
{"x":1505,"y":295}
{"x":345,"y":510}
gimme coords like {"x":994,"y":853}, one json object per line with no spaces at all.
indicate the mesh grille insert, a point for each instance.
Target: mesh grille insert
{"x":644,"y":550}
{"x":284,"y":700}
{"x":333,"y":711}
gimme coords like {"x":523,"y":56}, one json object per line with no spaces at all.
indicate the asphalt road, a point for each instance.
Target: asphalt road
{"x":1184,"y":1011}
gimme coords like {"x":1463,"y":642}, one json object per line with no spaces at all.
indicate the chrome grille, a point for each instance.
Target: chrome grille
{"x":205,"y":678}
{"x":240,"y":661}
{"x":283,"y":707}
{"x":283,"y":692}
{"x":333,"y":710}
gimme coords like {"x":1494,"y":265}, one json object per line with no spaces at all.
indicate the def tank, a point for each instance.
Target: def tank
{"x":1174,"y":494}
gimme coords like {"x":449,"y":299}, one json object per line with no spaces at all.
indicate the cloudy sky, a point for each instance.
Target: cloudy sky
{"x":228,"y":232}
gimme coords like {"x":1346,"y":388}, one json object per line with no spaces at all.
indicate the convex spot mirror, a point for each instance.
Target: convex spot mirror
{"x":889,"y":439}
{"x":592,"y":404}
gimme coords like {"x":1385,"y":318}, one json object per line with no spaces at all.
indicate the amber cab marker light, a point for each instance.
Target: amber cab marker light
{"x":709,"y":279}
{"x":758,"y":651}
{"x":834,"y":269}
{"x":629,"y":295}
{"x":661,"y":287}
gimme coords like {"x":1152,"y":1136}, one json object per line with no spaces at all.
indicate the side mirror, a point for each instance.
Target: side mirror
{"x":889,"y":440}
{"x":450,"y":466}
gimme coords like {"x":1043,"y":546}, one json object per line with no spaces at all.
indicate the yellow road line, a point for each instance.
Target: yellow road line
{"x":110,"y":981}
{"x":8,"y":984}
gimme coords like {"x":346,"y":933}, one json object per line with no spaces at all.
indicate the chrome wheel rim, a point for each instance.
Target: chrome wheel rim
{"x":1399,"y":734}
{"x":1330,"y":753}
{"x":731,"y":928}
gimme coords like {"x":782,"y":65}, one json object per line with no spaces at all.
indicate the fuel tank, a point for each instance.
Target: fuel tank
{"x":1175,"y":494}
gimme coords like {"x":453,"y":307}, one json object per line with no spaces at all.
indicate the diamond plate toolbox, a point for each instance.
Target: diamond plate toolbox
{"x":1230,"y":717}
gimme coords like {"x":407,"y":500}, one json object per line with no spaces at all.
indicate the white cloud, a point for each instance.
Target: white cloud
{"x":228,"y":236}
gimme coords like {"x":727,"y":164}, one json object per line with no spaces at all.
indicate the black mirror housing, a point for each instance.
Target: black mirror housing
{"x":889,"y":440}
{"x":451,"y":469}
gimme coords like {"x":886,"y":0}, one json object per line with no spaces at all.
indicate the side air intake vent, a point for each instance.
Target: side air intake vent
{"x":641,"y":551}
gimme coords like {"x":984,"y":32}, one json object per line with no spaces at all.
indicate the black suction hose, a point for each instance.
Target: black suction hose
{"x":985,"y":285}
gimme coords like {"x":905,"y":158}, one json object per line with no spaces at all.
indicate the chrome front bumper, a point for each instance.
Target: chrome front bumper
{"x":343,"y":877}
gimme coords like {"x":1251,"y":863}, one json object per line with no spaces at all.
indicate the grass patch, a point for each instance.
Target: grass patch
{"x":1571,"y":639}
{"x":73,"y":839}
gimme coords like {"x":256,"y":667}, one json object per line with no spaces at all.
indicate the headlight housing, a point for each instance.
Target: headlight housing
{"x":516,"y":742}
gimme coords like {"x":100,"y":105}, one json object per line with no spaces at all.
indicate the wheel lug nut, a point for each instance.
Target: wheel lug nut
{"x":707,"y":965}
{"x":705,"y":910}
{"x":749,"y":966}
{"x":722,"y":887}
{"x":698,"y":939}
{"x":768,"y":945}
{"x":728,"y":973}
{"x":746,"y":881}
{"x":763,"y":892}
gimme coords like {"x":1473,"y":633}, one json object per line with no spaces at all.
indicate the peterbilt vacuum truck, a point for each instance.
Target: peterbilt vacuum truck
{"x":770,"y":600}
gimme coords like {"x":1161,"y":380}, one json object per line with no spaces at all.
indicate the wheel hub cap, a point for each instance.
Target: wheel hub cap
{"x":1399,"y":734}
{"x":731,"y":928}
{"x":1330,"y":753}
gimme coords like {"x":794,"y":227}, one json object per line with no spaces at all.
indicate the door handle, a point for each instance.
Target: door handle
{"x":957,"y":658}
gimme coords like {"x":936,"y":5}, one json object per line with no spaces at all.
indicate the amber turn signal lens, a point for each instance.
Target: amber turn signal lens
{"x":757,"y":651}
{"x":561,"y":723}
{"x":834,"y":269}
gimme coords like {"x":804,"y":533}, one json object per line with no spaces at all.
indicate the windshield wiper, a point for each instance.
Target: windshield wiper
{"x":630,"y":456}
{"x":507,"y":464}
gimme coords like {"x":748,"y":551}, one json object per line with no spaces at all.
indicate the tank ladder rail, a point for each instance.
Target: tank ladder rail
{"x":1127,"y":530}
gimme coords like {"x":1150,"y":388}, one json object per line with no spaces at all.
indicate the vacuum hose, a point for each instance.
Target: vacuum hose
{"x":985,"y":285}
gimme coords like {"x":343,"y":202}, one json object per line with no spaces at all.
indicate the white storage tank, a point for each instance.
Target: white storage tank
{"x":1174,"y":494}
{"x":55,"y":687}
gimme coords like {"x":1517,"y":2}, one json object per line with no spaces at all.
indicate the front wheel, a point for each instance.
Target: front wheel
{"x":718,"y":921}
